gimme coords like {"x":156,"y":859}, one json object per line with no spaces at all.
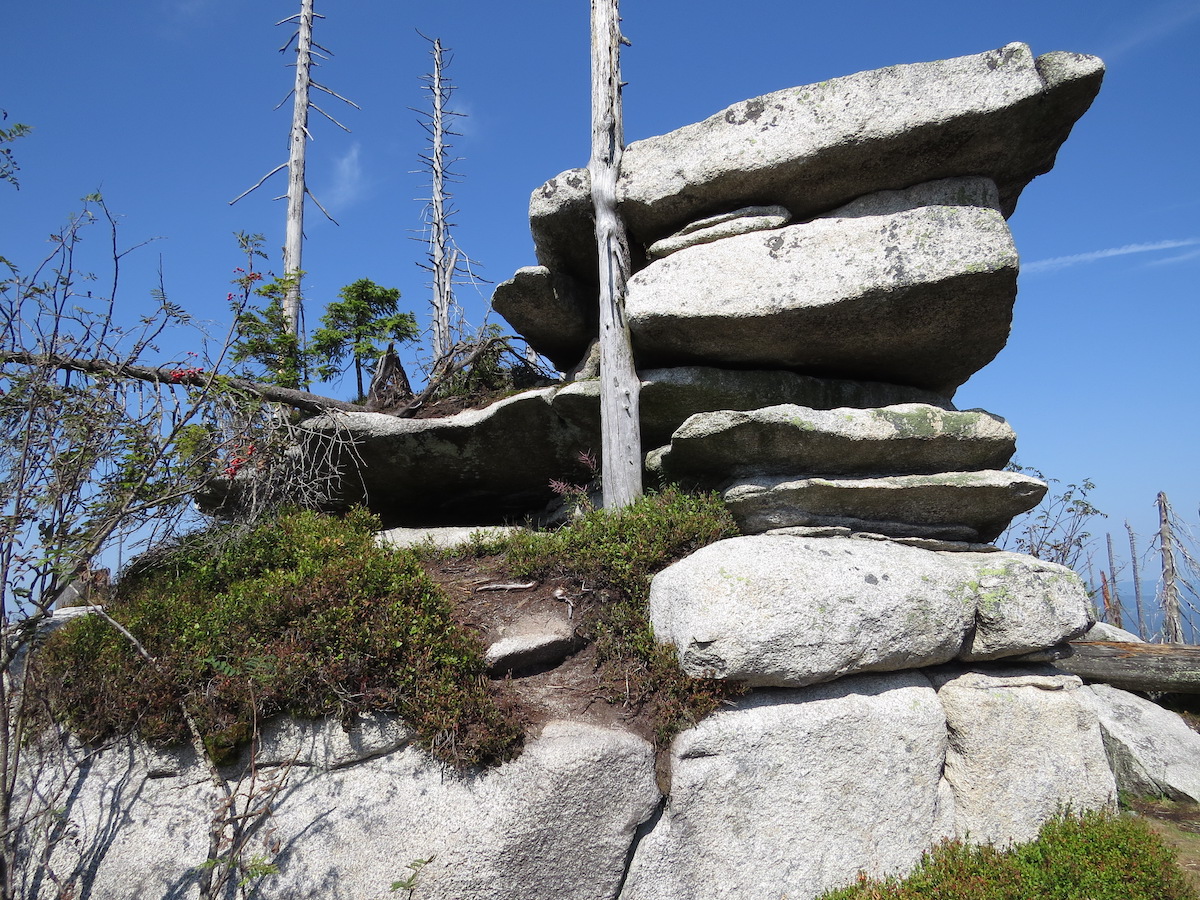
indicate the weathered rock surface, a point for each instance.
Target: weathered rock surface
{"x":348,"y":831}
{"x":1024,"y":743}
{"x":922,"y":296}
{"x":792,"y":792}
{"x":442,"y":538}
{"x":466,"y":468}
{"x":907,"y":439}
{"x":549,"y":311}
{"x":713,"y":228}
{"x":792,"y":611}
{"x":531,"y":642}
{"x":1152,"y":751}
{"x":1002,"y":114}
{"x":669,"y":396}
{"x":958,"y":506}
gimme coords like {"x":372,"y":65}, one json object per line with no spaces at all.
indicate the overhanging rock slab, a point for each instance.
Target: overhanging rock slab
{"x":1002,"y":114}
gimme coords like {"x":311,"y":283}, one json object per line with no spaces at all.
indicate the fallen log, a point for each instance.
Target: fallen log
{"x":1173,"y":668}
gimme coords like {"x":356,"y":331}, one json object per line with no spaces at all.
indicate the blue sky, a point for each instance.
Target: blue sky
{"x":165,"y":106}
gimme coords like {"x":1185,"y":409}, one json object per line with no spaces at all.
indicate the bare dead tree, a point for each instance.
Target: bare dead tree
{"x":1115,"y":600}
{"x":445,"y":261}
{"x":1172,"y":620}
{"x":1137,"y":579}
{"x":619,"y":385}
{"x":298,"y":139}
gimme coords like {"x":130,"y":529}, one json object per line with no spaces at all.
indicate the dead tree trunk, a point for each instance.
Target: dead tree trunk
{"x":1137,"y":580}
{"x":442,"y":257}
{"x":1172,"y":624}
{"x":293,"y":242}
{"x":1117,"y":617}
{"x":297,"y":148}
{"x":619,"y":385}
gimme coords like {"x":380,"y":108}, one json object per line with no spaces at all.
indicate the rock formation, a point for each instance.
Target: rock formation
{"x":817,"y":271}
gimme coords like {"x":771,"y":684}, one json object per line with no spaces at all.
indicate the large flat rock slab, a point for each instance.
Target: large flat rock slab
{"x":905,"y":439}
{"x":791,"y":793}
{"x":669,"y":396}
{"x":1002,"y":114}
{"x":957,"y":506}
{"x":922,"y":296}
{"x":1024,"y":745}
{"x":778,"y":610}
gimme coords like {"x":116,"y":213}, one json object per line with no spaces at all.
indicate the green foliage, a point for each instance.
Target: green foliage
{"x":1094,"y":856}
{"x":263,"y":335}
{"x":303,"y":615}
{"x":356,"y":325}
{"x":8,"y":165}
{"x":617,"y":554}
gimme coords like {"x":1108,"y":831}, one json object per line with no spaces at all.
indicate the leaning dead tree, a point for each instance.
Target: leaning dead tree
{"x":297,"y":147}
{"x":619,"y":385}
{"x":445,"y":262}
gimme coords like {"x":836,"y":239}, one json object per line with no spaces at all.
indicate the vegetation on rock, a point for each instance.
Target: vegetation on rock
{"x":304,"y":615}
{"x":1093,"y":856}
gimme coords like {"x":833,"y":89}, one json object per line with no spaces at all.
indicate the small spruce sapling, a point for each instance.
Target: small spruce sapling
{"x":359,"y":325}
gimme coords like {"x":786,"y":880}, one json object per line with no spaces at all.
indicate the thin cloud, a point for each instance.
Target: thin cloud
{"x":1182,"y":257}
{"x":349,"y":182}
{"x":1063,"y":262}
{"x":1159,"y":24}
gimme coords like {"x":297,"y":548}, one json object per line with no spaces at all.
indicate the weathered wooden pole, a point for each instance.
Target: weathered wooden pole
{"x":621,"y":431}
{"x":297,"y":147}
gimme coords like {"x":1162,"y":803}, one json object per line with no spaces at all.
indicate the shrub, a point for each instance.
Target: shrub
{"x":1093,"y":856}
{"x":303,"y":615}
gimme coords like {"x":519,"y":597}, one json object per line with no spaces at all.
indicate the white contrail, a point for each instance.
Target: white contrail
{"x":1062,"y":262}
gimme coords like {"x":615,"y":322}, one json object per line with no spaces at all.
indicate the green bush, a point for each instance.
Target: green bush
{"x":303,"y":615}
{"x":1093,"y":856}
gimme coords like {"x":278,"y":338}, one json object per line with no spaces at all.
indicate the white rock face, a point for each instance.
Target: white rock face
{"x":791,"y":611}
{"x":555,"y":823}
{"x":1153,"y":753}
{"x":921,"y":297}
{"x":792,"y":792}
{"x":1023,"y":744}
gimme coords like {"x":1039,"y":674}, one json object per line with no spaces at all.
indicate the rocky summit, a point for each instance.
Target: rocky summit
{"x":816,"y":271}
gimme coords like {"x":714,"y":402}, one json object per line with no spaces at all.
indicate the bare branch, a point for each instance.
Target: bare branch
{"x":260,"y":182}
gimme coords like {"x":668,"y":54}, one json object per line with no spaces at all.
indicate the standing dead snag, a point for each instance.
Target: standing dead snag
{"x":619,"y":385}
{"x":445,"y":261}
{"x":297,"y":147}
